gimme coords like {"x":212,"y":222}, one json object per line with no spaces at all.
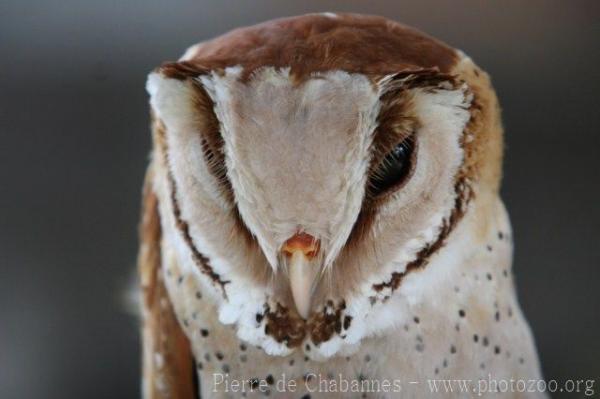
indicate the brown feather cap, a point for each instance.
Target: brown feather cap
{"x":311,"y":43}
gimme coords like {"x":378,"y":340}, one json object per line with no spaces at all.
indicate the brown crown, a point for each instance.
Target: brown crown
{"x":354,"y":43}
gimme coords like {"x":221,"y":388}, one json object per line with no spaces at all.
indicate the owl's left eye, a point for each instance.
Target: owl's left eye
{"x":393,"y":169}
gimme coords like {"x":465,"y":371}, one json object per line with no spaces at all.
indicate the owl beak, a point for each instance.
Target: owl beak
{"x":300,"y":251}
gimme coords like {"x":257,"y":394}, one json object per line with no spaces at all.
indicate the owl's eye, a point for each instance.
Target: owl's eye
{"x":393,"y":169}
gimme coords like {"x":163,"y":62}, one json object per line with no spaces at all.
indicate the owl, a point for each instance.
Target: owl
{"x":321,"y":218}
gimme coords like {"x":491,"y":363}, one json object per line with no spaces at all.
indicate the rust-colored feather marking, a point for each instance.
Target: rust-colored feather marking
{"x":167,"y":363}
{"x":463,"y":195}
{"x":199,"y":258}
{"x":288,"y":328}
{"x":284,"y":326}
{"x":325,"y":324}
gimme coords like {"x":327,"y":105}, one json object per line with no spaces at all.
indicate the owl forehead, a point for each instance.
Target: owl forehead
{"x":287,"y":144}
{"x":273,"y":116}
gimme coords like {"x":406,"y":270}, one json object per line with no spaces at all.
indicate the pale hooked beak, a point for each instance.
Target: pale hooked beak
{"x":300,"y":250}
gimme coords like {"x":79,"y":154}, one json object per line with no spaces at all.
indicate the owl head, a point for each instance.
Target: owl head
{"x":309,"y":166}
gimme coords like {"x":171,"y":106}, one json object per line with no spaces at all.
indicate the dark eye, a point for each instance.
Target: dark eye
{"x":393,"y":169}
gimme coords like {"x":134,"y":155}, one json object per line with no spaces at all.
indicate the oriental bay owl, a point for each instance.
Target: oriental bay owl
{"x":322,"y":219}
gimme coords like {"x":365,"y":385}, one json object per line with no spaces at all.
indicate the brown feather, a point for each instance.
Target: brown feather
{"x":167,"y":361}
{"x":370,"y":45}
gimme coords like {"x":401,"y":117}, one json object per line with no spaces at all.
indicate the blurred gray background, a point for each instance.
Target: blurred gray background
{"x":74,"y":145}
